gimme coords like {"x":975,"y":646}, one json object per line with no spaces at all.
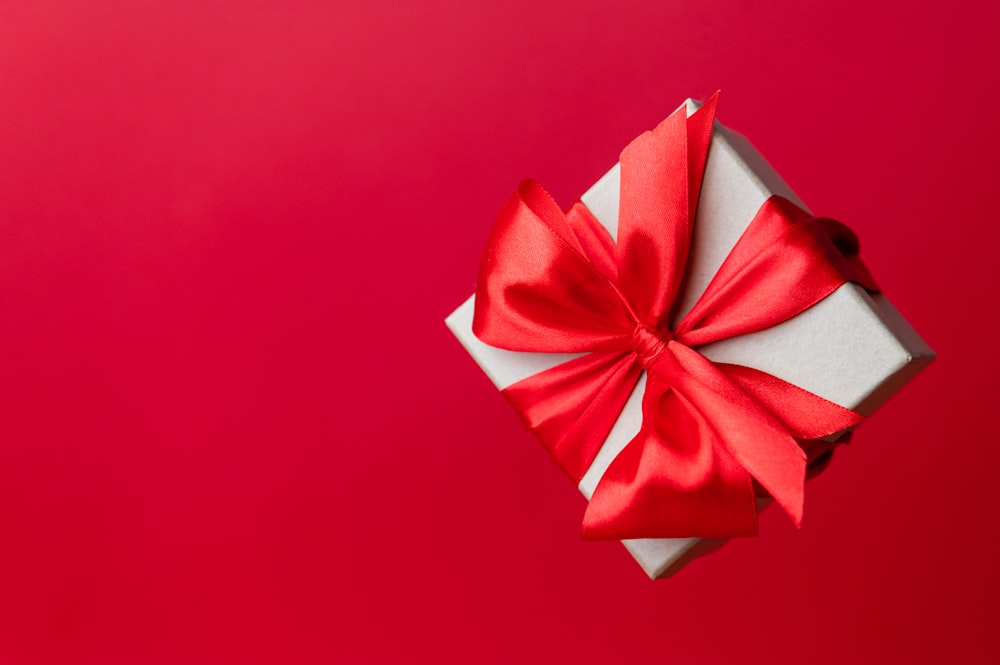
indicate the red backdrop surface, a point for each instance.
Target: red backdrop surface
{"x":233,"y":427}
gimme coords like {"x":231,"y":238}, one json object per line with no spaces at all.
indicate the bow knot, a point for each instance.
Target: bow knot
{"x":649,"y":343}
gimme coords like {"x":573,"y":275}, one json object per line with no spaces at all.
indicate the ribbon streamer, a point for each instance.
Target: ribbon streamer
{"x":554,"y":281}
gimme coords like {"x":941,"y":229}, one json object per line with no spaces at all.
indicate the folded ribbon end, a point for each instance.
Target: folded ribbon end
{"x":788,"y":489}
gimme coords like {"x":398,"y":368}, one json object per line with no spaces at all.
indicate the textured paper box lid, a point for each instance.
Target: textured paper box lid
{"x":852,"y":348}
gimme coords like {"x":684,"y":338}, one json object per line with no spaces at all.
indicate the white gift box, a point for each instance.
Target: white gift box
{"x":852,"y":348}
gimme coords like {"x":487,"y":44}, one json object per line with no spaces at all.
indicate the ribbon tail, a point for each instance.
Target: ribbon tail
{"x":747,"y":428}
{"x":806,"y":415}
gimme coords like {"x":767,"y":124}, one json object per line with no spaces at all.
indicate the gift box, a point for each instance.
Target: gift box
{"x":850,"y":347}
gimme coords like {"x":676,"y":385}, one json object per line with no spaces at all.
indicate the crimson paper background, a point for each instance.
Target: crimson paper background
{"x":233,"y":427}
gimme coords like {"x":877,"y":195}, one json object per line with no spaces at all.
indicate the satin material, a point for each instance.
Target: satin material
{"x":556,"y":282}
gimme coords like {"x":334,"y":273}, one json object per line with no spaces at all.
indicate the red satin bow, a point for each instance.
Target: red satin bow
{"x":556,"y":282}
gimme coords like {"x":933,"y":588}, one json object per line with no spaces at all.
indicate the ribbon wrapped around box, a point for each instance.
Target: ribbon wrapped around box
{"x":685,"y":340}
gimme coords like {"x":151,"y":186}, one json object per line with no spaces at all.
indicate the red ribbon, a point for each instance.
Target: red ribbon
{"x":556,"y":282}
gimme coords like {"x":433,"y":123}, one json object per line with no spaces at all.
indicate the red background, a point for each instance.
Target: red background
{"x":233,"y":427}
